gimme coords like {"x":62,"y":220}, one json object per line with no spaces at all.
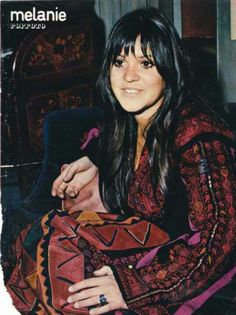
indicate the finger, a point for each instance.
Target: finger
{"x":85,"y":177}
{"x":64,"y":166}
{"x":70,"y":171}
{"x":61,"y":190}
{"x":84,"y":294}
{"x":72,"y":190}
{"x":100,"y":310}
{"x":56,"y":184}
{"x":105,"y":270}
{"x":77,"y":183}
{"x":88,"y":302}
{"x":81,"y":179}
{"x":88,"y":283}
{"x":78,"y":166}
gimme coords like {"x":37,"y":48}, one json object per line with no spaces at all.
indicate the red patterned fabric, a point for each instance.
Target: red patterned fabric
{"x":157,"y":278}
{"x":188,"y":265}
{"x":196,"y":122}
{"x":40,"y":281}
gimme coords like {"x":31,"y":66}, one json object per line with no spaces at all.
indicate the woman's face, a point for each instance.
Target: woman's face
{"x":136,"y":83}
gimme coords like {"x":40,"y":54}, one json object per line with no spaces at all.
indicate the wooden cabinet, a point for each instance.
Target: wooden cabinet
{"x":198,"y":18}
{"x":53,"y":68}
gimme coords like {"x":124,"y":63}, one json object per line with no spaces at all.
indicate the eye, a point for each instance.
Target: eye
{"x":118,"y":62}
{"x":146,"y":64}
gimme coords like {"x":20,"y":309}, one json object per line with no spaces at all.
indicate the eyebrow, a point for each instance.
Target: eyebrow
{"x":138,"y":57}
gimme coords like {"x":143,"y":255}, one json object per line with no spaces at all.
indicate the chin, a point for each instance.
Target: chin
{"x":132,"y":108}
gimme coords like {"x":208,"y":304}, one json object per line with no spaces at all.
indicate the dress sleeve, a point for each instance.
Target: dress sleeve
{"x":191,"y":264}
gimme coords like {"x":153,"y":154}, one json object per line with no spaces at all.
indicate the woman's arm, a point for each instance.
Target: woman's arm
{"x":191,"y":265}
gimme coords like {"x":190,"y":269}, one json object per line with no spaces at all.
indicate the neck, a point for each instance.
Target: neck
{"x":142,"y":129}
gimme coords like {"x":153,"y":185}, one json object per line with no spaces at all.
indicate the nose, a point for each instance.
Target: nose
{"x":131,"y":73}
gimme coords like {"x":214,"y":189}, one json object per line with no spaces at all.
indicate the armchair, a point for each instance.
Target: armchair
{"x":63,"y":134}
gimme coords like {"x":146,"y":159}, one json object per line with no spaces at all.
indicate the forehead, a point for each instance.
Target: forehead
{"x":136,"y":47}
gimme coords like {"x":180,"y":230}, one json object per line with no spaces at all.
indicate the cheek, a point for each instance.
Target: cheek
{"x":113,"y":79}
{"x":153,"y":79}
{"x":113,"y":73}
{"x":157,"y":84}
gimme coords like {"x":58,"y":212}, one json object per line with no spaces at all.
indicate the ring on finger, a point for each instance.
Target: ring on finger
{"x":102,"y":299}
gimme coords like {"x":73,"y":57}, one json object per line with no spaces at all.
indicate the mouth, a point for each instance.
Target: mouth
{"x":130,"y":91}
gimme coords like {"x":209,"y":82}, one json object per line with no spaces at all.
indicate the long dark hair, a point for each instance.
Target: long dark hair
{"x":119,"y":134}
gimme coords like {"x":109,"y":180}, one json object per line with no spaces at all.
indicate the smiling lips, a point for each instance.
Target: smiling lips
{"x":131,"y":91}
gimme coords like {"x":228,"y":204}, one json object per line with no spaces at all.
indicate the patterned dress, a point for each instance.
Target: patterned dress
{"x":182,"y":270}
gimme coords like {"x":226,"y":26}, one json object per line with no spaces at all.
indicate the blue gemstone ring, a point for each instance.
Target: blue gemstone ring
{"x":102,"y":299}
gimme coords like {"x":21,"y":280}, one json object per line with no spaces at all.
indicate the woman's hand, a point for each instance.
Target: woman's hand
{"x":87,"y":200}
{"x":74,"y":177}
{"x":90,"y":290}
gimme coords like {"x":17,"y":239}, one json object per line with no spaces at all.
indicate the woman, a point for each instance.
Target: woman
{"x":167,"y":165}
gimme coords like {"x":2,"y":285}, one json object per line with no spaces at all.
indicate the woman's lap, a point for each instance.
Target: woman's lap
{"x":62,"y":249}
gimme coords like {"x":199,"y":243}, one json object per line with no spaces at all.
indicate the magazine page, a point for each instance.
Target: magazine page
{"x":118,"y":122}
